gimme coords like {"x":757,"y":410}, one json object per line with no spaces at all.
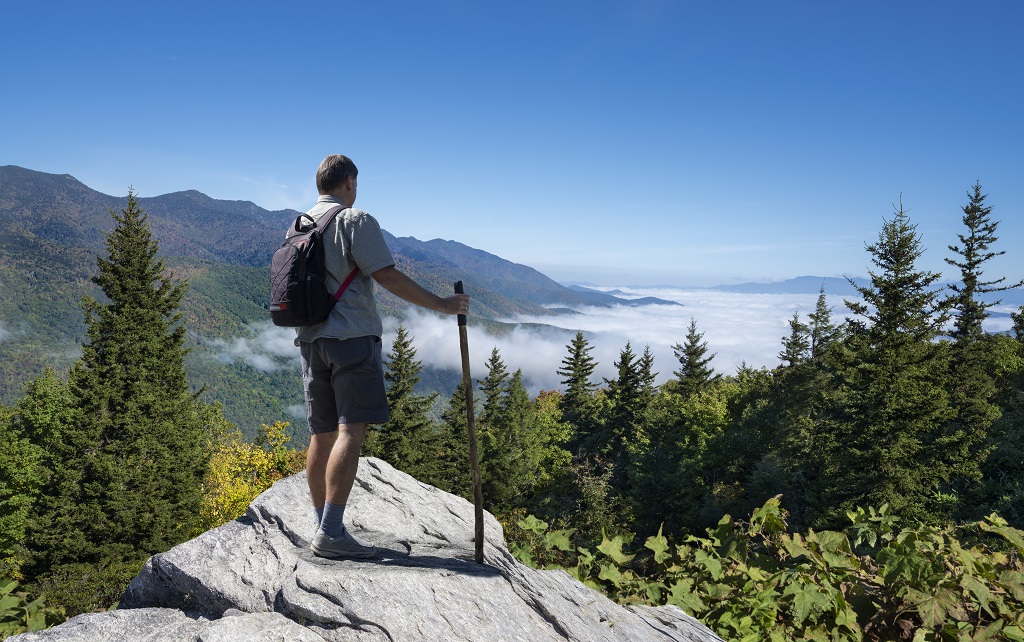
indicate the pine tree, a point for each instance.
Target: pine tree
{"x":142,"y":433}
{"x":629,"y":396}
{"x":888,"y":448}
{"x":493,"y":387}
{"x":694,"y":373}
{"x":970,"y":311}
{"x":822,"y":331}
{"x":797,"y":346}
{"x":409,"y":440}
{"x":453,"y":440}
{"x":23,"y":476}
{"x":577,"y":404}
{"x":511,"y":448}
{"x":972,"y":383}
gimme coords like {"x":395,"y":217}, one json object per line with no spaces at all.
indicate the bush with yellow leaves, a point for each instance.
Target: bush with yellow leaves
{"x":239,"y":471}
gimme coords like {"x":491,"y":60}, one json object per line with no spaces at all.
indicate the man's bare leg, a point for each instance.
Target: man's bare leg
{"x":317,"y":457}
{"x":343,"y":462}
{"x":332,"y":540}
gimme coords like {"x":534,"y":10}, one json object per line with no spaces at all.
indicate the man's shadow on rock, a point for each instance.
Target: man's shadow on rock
{"x":460,"y":560}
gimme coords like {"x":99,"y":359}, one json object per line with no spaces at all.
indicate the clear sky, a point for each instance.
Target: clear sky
{"x":644,"y":142}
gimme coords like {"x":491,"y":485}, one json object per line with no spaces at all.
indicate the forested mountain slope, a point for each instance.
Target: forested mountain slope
{"x":52,"y":231}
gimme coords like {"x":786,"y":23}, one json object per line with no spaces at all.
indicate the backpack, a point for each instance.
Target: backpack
{"x":298,"y":289}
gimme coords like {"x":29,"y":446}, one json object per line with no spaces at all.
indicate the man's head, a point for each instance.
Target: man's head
{"x":337,"y":176}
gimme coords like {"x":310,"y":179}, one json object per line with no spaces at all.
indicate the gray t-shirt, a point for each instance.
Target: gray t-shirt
{"x":353,"y":239}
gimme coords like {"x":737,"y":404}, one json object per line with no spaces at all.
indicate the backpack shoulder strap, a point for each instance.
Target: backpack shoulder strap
{"x":328,"y":216}
{"x":319,"y":225}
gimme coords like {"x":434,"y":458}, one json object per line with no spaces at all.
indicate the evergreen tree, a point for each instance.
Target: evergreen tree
{"x":512,"y":445}
{"x":797,"y":346}
{"x":647,"y":375}
{"x":822,"y":331}
{"x":453,"y":440}
{"x":142,"y":434}
{"x":695,"y":373}
{"x":970,"y":311}
{"x":45,"y":417}
{"x":409,"y":440}
{"x":22,"y":475}
{"x":972,"y":382}
{"x":577,"y":404}
{"x":629,"y":396}
{"x":493,"y":387}
{"x":888,"y":448}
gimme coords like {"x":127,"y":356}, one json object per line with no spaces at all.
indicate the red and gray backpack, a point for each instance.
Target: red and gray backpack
{"x":298,"y":287}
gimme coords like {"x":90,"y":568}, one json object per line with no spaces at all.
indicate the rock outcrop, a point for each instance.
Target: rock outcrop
{"x":255,"y":579}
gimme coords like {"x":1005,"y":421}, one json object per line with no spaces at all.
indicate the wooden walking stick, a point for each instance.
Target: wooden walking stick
{"x":467,"y":383}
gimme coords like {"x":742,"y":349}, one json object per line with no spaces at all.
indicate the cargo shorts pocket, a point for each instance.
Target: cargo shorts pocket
{"x":368,"y":380}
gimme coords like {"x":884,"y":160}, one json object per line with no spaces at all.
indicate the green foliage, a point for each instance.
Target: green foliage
{"x":889,"y":447}
{"x":22,"y":476}
{"x":521,"y":441}
{"x":239,"y":471}
{"x":577,"y":404}
{"x":695,"y":372}
{"x":141,"y":435}
{"x":755,"y":581}
{"x":87,"y":586}
{"x":453,"y":439}
{"x":409,"y":441}
{"x":20,"y":613}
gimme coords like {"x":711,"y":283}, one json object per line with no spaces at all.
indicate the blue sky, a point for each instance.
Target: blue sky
{"x":642,"y":142}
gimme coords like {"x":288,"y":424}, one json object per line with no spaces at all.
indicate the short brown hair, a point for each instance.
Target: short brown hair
{"x":333,"y":171}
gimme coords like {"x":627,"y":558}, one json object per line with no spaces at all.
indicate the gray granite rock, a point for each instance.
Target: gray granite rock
{"x":255,"y":579}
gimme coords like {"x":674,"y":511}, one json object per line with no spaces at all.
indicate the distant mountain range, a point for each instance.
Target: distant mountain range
{"x":833,"y":286}
{"x":52,"y":230}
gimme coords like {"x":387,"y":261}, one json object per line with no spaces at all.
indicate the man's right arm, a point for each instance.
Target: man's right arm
{"x":398,"y":283}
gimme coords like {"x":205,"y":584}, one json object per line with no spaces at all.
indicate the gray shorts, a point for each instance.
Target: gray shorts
{"x":343,"y":380}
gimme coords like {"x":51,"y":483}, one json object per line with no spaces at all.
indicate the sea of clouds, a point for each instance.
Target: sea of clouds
{"x":737,"y":327}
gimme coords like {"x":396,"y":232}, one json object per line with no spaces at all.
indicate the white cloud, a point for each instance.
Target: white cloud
{"x":737,"y":327}
{"x":4,"y":334}
{"x":265,"y":347}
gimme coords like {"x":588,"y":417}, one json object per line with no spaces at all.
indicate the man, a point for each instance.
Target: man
{"x":342,"y":371}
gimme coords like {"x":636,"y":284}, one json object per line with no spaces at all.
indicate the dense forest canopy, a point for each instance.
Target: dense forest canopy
{"x":906,"y":410}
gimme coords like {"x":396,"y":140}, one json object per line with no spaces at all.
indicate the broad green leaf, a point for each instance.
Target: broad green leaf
{"x":835,"y":550}
{"x":610,"y":573}
{"x":533,"y":524}
{"x":36,"y":621}
{"x":931,"y":609}
{"x":1013,"y":583}
{"x":8,"y":603}
{"x":713,"y":565}
{"x":805,"y":598}
{"x":659,"y":544}
{"x":1014,"y":633}
{"x":681,"y":594}
{"x":991,"y":632}
{"x":524,"y":555}
{"x":613,"y":549}
{"x":999,"y":527}
{"x":981,"y":592}
{"x":558,"y":539}
{"x":795,"y":546}
{"x":585,"y":557}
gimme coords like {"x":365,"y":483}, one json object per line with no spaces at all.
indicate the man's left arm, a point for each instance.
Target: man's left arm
{"x":398,"y":283}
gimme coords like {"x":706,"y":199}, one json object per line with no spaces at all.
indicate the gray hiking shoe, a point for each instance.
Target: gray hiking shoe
{"x":345,"y":545}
